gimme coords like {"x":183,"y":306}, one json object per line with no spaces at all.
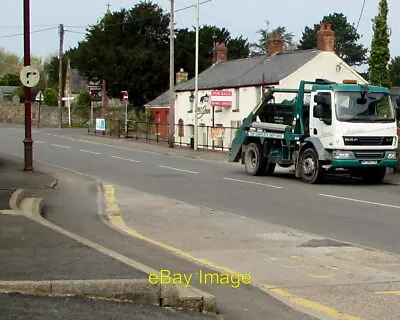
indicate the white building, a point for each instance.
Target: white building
{"x":241,"y":84}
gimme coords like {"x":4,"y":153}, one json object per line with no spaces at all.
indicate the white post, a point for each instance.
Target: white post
{"x":69,"y":111}
{"x":196,"y":94}
{"x":91,"y":113}
{"x":126,"y":117}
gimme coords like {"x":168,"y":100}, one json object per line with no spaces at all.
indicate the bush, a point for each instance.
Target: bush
{"x":50,"y":97}
{"x":83,"y":99}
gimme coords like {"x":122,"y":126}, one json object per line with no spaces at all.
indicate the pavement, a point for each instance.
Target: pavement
{"x":43,"y":265}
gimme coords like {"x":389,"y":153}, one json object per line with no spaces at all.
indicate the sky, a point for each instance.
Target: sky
{"x":238,"y":16}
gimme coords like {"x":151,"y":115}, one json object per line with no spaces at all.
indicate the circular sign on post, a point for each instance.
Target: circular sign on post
{"x":125,"y":97}
{"x":29,"y":76}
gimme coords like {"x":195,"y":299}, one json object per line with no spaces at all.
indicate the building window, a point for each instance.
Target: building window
{"x":235,"y":106}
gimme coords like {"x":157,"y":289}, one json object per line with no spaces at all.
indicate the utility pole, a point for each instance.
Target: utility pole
{"x":104,"y":100}
{"x":196,"y":90}
{"x":60,"y":95}
{"x":28,"y":143}
{"x":171,"y":115}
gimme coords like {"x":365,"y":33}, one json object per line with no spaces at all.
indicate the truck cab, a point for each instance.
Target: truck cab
{"x":327,"y":128}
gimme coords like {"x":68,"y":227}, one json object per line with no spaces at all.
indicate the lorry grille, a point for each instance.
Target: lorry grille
{"x":369,"y":155}
{"x":368,"y":141}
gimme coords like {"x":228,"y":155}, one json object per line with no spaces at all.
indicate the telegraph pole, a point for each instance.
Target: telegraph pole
{"x":60,"y":65}
{"x":171,"y":115}
{"x":196,"y":90}
{"x":28,"y":143}
{"x":104,"y":100}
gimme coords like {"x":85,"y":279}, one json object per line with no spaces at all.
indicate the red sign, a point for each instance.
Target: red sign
{"x":221,"y":98}
{"x":125,"y":97}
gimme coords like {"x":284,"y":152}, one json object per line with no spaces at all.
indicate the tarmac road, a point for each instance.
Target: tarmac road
{"x":343,"y":209}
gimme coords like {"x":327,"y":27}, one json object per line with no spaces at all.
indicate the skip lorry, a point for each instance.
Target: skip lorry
{"x":320,"y":128}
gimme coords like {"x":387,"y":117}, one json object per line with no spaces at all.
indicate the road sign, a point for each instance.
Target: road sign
{"x":67,"y":98}
{"x":95,"y":93}
{"x":100,"y":124}
{"x":29,"y":76}
{"x":39,"y":96}
{"x":125,"y":96}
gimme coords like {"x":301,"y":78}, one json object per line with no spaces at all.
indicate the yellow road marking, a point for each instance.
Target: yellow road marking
{"x":271,"y":259}
{"x":118,"y":222}
{"x":396,"y":293}
{"x":315,"y":276}
{"x":333,"y":268}
{"x":296,"y":257}
{"x":312,"y":305}
{"x":110,"y":200}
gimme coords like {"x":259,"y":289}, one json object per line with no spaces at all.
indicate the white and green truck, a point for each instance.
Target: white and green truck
{"x":326,"y":128}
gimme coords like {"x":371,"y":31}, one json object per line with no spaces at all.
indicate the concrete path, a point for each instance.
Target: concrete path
{"x":326,"y":278}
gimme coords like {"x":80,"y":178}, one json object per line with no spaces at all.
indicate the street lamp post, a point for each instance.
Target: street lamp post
{"x":196,"y":91}
{"x":28,"y":148}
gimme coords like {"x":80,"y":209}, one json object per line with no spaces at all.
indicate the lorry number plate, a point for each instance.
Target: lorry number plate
{"x":369,"y":162}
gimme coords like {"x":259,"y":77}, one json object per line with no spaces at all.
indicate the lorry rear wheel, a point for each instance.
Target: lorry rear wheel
{"x":373,"y":175}
{"x":254,"y":161}
{"x":310,"y":167}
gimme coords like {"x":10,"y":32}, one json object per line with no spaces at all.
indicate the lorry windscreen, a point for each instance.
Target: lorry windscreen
{"x":364,"y":107}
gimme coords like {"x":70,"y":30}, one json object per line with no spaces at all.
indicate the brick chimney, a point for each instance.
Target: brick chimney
{"x":220,"y":52}
{"x":181,"y":76}
{"x":275,"y":44}
{"x":326,"y":38}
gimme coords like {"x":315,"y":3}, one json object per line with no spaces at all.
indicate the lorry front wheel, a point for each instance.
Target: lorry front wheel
{"x":373,"y":175}
{"x":254,"y":161}
{"x":310,"y":167}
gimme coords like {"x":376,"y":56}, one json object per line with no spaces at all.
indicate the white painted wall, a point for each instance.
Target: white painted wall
{"x":325,"y":65}
{"x":243,"y":101}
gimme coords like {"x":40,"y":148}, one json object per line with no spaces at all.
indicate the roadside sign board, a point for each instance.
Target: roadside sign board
{"x":39,"y":97}
{"x":100,"y":124}
{"x":125,"y":96}
{"x":29,"y":76}
{"x":95,"y":93}
{"x":221,"y":98}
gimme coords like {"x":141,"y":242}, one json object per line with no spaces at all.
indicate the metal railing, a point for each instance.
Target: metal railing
{"x":209,"y":138}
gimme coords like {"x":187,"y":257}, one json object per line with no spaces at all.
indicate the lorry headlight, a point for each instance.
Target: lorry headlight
{"x":341,"y":155}
{"x":391,"y":155}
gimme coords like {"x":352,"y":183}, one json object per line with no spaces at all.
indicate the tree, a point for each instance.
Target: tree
{"x":130,"y":50}
{"x":51,"y":70}
{"x":9,"y":62}
{"x":10,"y":79}
{"x":185,"y":45}
{"x":346,"y":39}
{"x":50,"y":97}
{"x":380,"y":54}
{"x":394,"y":71}
{"x":83,"y":99}
{"x":260,"y":47}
